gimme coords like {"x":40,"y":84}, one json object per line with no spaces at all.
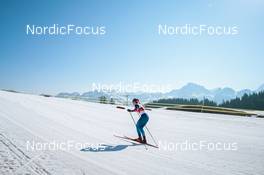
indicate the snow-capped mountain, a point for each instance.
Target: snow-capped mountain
{"x":222,"y":94}
{"x":261,"y":88}
{"x":190,"y":90}
{"x":244,"y":91}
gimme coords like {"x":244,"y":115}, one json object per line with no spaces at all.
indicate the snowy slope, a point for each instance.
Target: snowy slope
{"x":27,"y":118}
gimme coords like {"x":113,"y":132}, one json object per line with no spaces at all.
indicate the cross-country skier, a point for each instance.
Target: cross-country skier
{"x":142,"y":121}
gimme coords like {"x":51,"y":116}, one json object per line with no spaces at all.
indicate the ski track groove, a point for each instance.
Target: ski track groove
{"x":109,"y":169}
{"x":21,"y":157}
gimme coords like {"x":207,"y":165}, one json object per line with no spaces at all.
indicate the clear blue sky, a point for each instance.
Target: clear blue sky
{"x":131,"y":50}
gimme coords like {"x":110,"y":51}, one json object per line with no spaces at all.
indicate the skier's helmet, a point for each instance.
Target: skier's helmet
{"x":135,"y":100}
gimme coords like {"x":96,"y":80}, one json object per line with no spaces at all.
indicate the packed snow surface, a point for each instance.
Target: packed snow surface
{"x":32,"y":126}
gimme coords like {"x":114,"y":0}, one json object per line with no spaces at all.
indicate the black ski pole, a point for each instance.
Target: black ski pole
{"x":151,"y":136}
{"x":133,"y":119}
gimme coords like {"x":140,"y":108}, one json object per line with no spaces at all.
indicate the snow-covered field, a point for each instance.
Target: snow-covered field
{"x":221,"y":144}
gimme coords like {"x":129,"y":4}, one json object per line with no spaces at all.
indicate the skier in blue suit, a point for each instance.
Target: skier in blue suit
{"x":142,"y":121}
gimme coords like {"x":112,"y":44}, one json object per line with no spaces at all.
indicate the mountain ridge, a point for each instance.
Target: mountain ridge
{"x":190,"y":90}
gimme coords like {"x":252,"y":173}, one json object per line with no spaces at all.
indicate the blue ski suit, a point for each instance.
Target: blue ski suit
{"x":142,"y":121}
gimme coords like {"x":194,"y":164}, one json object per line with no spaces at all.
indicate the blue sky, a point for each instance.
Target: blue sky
{"x":132,"y":50}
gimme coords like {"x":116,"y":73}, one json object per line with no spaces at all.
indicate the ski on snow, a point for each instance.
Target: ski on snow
{"x":131,"y":139}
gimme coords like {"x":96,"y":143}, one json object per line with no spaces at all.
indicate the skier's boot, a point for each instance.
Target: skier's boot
{"x":139,"y":139}
{"x":144,"y":139}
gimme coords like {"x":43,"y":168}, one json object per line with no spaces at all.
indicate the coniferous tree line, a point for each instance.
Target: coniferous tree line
{"x":192,"y":101}
{"x":252,"y":101}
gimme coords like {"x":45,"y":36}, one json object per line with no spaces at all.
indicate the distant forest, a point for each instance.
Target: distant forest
{"x":252,"y":101}
{"x":183,"y":101}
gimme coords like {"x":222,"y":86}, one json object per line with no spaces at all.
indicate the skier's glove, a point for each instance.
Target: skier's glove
{"x":129,"y":110}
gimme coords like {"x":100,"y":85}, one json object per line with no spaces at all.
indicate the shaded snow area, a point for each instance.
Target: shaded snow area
{"x":40,"y":135}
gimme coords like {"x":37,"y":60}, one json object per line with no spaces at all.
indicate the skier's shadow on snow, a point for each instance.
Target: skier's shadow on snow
{"x":107,"y":148}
